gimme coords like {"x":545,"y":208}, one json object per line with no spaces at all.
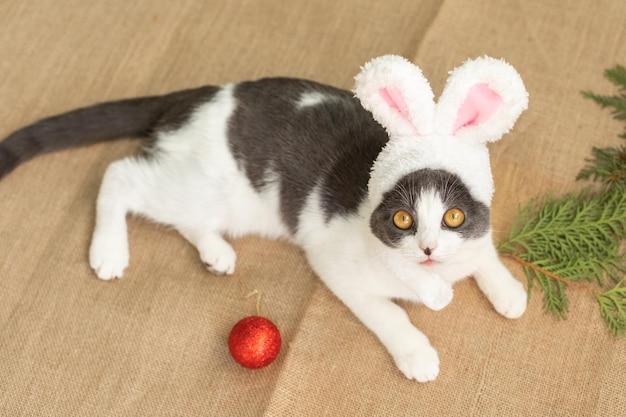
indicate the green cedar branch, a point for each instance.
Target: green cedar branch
{"x":608,"y":165}
{"x":577,"y":240}
{"x":613,"y":309}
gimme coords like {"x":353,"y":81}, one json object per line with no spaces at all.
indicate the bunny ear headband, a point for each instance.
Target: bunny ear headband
{"x":481,"y":101}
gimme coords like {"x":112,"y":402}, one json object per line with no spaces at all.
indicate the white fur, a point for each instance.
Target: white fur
{"x":193,"y":183}
{"x":310,"y":99}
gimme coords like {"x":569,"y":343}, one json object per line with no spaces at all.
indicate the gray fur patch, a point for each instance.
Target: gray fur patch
{"x":332,"y":143}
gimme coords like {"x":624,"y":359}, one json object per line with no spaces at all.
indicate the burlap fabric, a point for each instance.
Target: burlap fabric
{"x":154,"y":342}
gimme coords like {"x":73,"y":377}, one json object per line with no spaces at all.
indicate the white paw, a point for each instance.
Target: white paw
{"x":219,"y":258}
{"x":510,"y":301}
{"x":420,"y":363}
{"x":108,"y":255}
{"x":436,"y":293}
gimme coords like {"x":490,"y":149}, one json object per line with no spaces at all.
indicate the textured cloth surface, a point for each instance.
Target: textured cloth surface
{"x":154,"y":342}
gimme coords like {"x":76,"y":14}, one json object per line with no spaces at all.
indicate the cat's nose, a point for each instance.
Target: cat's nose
{"x":428,"y":247}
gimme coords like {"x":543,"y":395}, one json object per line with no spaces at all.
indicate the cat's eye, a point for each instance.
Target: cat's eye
{"x":403,"y":220}
{"x":453,"y":218}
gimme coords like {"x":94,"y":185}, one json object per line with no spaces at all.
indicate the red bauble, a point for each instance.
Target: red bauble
{"x":254,"y":342}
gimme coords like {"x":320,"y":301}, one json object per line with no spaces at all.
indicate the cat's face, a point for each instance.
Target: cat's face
{"x":429,"y":216}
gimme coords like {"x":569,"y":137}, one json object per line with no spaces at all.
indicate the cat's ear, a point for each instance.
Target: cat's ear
{"x":481,"y":101}
{"x":396,"y":93}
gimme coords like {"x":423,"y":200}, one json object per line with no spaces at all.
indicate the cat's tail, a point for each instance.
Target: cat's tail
{"x":101,"y":122}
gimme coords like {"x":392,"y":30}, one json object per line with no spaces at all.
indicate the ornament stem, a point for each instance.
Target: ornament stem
{"x":258,"y":300}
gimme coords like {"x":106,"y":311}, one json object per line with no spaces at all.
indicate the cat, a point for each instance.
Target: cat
{"x":382,"y":210}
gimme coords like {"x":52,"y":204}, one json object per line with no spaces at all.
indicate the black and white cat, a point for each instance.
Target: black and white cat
{"x":394,"y":206}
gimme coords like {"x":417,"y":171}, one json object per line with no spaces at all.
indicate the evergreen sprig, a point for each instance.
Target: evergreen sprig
{"x":617,"y":76}
{"x":570,"y":240}
{"x":608,"y":165}
{"x":613,"y":309}
{"x":578,"y":240}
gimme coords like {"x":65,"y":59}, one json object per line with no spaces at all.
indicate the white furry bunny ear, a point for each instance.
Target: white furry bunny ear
{"x":397,"y":94}
{"x":481,"y":101}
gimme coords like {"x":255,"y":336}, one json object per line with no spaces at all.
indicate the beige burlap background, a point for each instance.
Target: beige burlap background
{"x":154,"y":343}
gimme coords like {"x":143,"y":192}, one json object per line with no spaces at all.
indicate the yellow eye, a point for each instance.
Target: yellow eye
{"x":403,"y":220}
{"x":453,"y":218}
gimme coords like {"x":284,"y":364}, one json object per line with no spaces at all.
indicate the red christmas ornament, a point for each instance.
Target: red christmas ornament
{"x":254,"y":342}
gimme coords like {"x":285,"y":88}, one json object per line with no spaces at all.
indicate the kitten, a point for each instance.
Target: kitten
{"x":382,"y":210}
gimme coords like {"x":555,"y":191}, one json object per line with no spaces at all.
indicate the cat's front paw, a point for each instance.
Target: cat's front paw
{"x":510,"y":301}
{"x":436,"y":293}
{"x":420,"y":363}
{"x":108,"y":255}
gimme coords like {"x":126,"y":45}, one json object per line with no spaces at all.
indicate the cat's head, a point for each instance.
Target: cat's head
{"x":430,"y":216}
{"x":434,"y":173}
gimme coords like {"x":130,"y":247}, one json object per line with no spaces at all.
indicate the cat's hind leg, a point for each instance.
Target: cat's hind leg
{"x":161,"y":191}
{"x":217,"y":255}
{"x":120,"y":193}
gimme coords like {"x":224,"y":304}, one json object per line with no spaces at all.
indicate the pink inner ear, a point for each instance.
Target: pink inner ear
{"x":393,"y":97}
{"x":479,"y":105}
